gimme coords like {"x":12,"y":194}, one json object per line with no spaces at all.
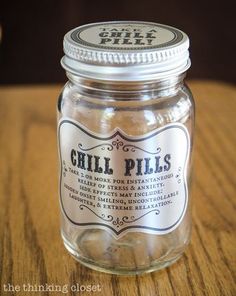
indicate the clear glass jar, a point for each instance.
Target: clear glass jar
{"x":125,"y":201}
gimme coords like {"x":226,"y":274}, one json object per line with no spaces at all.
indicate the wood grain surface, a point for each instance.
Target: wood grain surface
{"x":31,"y":250}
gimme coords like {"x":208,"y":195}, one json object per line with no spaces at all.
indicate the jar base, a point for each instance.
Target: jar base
{"x":117,"y":271}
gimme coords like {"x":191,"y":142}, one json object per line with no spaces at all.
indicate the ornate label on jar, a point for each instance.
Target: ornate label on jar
{"x":126,"y":35}
{"x":123,"y":183}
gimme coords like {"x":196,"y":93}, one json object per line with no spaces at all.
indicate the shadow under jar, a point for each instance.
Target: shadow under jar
{"x":125,"y":132}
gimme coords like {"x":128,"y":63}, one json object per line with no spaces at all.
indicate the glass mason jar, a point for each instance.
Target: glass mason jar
{"x":125,"y":133}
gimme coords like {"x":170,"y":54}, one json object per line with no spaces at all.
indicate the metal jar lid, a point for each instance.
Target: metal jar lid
{"x":126,"y":51}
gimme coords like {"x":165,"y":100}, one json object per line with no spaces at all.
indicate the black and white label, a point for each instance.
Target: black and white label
{"x":126,"y":35}
{"x":123,"y":183}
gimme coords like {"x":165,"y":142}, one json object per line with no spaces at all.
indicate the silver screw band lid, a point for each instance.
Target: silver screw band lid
{"x":126,"y":51}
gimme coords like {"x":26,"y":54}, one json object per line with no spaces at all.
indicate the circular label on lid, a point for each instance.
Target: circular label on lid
{"x":126,"y":36}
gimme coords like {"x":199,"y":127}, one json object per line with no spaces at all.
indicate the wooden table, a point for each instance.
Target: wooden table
{"x":31,"y":247}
